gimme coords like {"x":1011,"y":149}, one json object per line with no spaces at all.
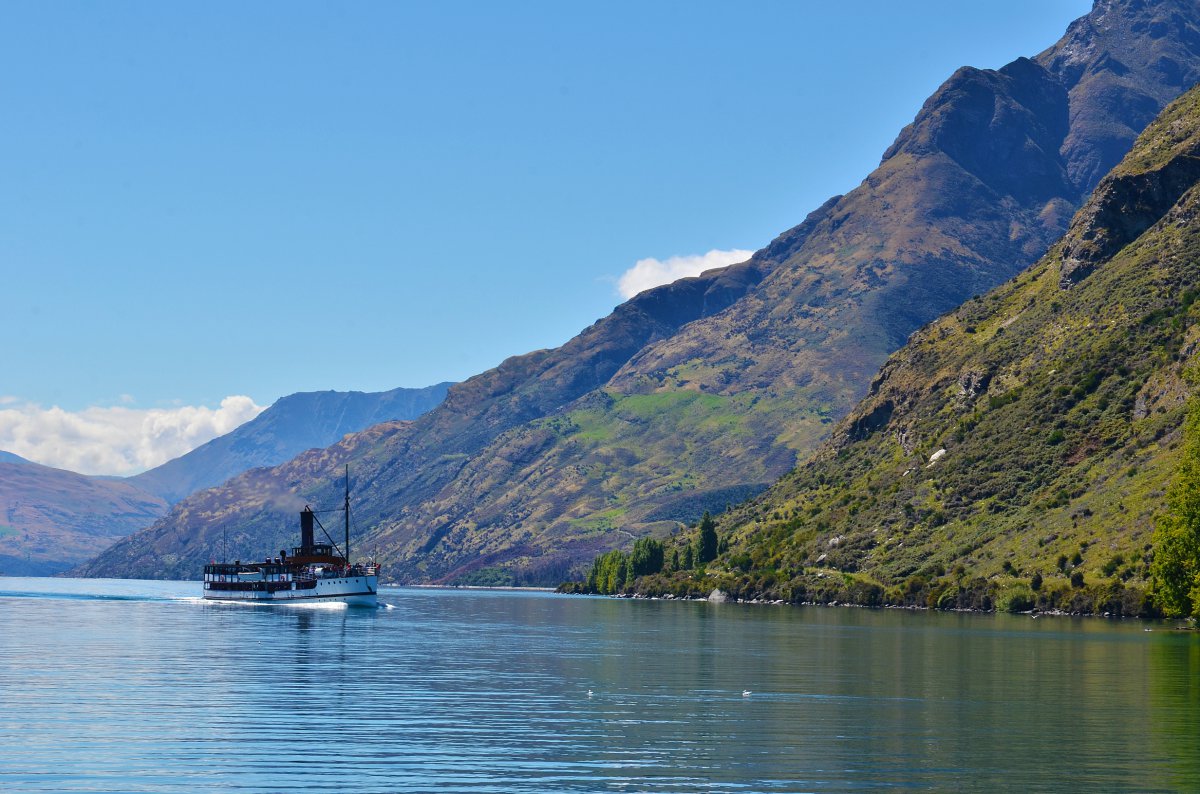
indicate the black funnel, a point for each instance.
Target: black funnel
{"x":306,"y":529}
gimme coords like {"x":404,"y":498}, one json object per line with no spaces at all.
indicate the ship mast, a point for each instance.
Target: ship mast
{"x":347,"y":508}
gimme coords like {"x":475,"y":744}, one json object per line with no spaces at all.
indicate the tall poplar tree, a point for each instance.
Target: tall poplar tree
{"x":706,"y":544}
{"x":1176,"y":565}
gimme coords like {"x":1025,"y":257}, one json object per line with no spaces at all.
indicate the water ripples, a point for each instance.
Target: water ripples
{"x":142,"y":687}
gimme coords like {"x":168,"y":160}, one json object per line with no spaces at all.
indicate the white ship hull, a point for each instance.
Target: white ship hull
{"x":351,"y":590}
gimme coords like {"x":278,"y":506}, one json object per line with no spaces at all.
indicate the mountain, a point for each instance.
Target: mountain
{"x":288,"y":427}
{"x":695,"y":395}
{"x":1016,"y":451}
{"x":51,"y":519}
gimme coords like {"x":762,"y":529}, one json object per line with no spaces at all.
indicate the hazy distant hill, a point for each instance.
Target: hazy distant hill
{"x":51,"y":519}
{"x":1019,"y":447}
{"x":694,"y":395}
{"x":287,"y":428}
{"x":8,"y":457}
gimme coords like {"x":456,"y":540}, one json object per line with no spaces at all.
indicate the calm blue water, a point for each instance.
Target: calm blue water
{"x":138,"y":686}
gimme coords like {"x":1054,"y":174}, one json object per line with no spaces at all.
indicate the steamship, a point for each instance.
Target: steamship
{"x":312,"y":573}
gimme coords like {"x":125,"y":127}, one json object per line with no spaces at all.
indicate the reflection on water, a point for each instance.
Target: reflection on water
{"x":138,"y":686}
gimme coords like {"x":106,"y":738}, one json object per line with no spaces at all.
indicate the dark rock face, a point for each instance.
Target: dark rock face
{"x":877,"y":419}
{"x":520,"y":463}
{"x":1122,"y":208}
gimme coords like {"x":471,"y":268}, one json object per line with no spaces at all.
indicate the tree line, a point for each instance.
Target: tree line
{"x":612,"y":572}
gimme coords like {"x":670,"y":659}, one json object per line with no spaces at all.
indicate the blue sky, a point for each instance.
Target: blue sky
{"x":206,"y":200}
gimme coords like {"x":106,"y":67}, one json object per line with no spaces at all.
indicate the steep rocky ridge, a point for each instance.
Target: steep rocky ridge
{"x":1030,"y":433}
{"x":1123,"y":63}
{"x":976,"y":188}
{"x":690,"y":396}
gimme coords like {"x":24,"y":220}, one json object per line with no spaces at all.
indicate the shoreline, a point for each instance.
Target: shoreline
{"x":473,"y":587}
{"x":1032,"y":613}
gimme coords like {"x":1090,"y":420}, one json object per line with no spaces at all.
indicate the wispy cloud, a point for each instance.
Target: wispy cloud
{"x":651,"y":272}
{"x":118,"y":439}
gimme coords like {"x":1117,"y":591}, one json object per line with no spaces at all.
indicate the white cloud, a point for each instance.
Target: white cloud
{"x":647,"y":273}
{"x":116,"y":440}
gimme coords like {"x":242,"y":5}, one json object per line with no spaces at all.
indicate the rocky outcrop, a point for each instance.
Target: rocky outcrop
{"x":972,"y":383}
{"x":1123,"y":207}
{"x":1138,"y":193}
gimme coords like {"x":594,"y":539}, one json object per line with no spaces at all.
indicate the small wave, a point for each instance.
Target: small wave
{"x":220,"y":603}
{"x":318,"y":605}
{"x":83,"y":596}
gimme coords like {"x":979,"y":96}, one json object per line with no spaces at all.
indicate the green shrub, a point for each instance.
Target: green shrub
{"x":1015,"y":599}
{"x":741,"y":562}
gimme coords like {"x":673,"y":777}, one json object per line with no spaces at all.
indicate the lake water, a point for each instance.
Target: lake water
{"x":139,"y":686}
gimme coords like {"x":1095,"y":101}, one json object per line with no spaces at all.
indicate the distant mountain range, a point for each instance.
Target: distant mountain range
{"x":51,"y":520}
{"x":290,"y":426}
{"x":695,"y":395}
{"x":1015,"y":452}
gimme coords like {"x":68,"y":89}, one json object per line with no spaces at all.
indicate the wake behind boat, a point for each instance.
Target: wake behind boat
{"x":313,"y":573}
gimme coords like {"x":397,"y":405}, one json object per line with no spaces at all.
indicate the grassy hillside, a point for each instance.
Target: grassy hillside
{"x":1025,"y":439}
{"x":606,"y":465}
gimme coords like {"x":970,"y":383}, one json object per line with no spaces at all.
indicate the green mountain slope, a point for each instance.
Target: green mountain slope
{"x":1029,"y":434}
{"x":692,"y":395}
